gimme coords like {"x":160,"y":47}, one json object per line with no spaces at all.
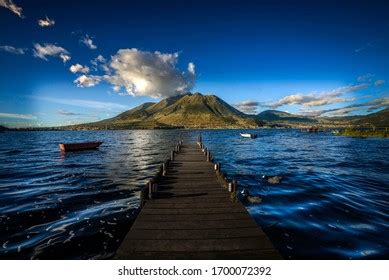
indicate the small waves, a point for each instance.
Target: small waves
{"x":74,"y":205}
{"x":333,"y":200}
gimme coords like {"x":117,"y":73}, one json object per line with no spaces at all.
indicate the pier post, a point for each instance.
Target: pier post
{"x":150,"y":187}
{"x":164,"y":169}
{"x":208,"y":156}
{"x":143,"y":197}
{"x":230,"y":186}
{"x":217,"y":167}
{"x":160,"y":170}
{"x":172,"y":156}
{"x":234,"y":185}
{"x":199,"y":139}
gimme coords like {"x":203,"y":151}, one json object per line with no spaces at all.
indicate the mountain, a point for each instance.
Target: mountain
{"x":378,"y":119}
{"x":274,"y":116}
{"x":209,"y":111}
{"x":185,"y":111}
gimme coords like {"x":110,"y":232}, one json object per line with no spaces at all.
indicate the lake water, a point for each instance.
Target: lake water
{"x":332,"y":203}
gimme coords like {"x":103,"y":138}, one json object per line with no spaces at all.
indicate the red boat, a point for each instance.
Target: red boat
{"x":70,"y":147}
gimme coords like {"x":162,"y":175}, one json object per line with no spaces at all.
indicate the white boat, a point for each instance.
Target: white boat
{"x":248,"y":135}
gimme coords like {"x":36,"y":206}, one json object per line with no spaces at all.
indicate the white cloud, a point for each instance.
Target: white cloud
{"x":83,"y":103}
{"x":379,"y":83}
{"x":324,"y":98}
{"x":154,"y":74}
{"x":17,"y":116}
{"x":46,"y":22}
{"x":10,"y":5}
{"x":45,"y":50}
{"x":87,"y":41}
{"x":247,"y":106}
{"x":64,"y":57}
{"x":68,"y":113}
{"x":98,"y":60}
{"x":99,"y":63}
{"x":141,"y":73}
{"x":13,"y":50}
{"x":78,"y":68}
{"x":191,"y":68}
{"x":368,"y":77}
{"x":87,"y":81}
{"x":375,"y":103}
{"x":116,"y":88}
{"x":369,"y":106}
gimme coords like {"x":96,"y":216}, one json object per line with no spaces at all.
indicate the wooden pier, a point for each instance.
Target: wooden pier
{"x":190,"y":211}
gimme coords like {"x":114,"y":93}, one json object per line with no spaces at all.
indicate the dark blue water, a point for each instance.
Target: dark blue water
{"x":74,"y":206}
{"x":332,"y":203}
{"x":334,"y":199}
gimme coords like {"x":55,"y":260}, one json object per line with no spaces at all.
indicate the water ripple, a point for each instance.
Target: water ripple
{"x":332,"y":202}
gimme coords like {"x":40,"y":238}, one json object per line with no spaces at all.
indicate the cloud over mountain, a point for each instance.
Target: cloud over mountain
{"x":369,"y":106}
{"x":142,"y":73}
{"x":248,"y":106}
{"x":312,"y":100}
{"x":68,"y":113}
{"x":153,"y":74}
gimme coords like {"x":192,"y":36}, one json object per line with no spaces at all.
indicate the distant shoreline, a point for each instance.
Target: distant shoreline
{"x":346,"y":129}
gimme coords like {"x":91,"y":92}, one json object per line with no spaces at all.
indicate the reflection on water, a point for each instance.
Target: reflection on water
{"x":332,"y":203}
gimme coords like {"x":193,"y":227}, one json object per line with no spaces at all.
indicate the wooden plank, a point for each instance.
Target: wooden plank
{"x":268,"y":254}
{"x":191,"y":211}
{"x":183,"y":225}
{"x":192,"y":216}
{"x":139,"y":234}
{"x":179,"y":245}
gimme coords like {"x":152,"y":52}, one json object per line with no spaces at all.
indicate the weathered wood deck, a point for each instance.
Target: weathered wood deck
{"x":192,"y":216}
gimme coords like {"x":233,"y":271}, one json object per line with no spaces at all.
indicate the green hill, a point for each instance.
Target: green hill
{"x":185,"y":111}
{"x":380,"y":119}
{"x":377,"y":119}
{"x":274,"y":116}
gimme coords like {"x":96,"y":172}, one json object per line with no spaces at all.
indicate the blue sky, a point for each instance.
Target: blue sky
{"x":318,"y":58}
